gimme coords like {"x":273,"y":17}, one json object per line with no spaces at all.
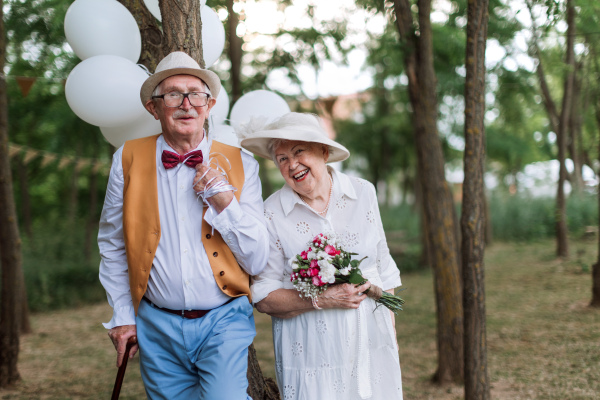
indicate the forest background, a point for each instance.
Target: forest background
{"x":60,"y":163}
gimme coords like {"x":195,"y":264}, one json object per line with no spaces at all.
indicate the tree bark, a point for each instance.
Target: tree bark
{"x":575,"y":122}
{"x":473,"y":219}
{"x":235,"y":52}
{"x":182,"y":28}
{"x":562,"y":244}
{"x":10,"y":242}
{"x":440,"y":217}
{"x":25,"y":198}
{"x":559,"y":123}
{"x":595,"y":302}
{"x":259,"y":387}
{"x":152,"y":37}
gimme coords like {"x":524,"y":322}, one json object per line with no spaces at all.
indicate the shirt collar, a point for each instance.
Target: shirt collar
{"x":342,"y":186}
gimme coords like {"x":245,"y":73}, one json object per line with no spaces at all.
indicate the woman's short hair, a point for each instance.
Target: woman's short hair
{"x":275,"y":143}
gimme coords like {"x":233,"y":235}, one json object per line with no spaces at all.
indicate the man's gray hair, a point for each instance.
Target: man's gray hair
{"x":157,"y":89}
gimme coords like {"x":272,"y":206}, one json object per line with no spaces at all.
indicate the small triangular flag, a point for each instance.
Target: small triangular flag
{"x":25,"y":83}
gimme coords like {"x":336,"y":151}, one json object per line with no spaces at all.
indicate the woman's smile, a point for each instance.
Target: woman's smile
{"x":300,"y":176}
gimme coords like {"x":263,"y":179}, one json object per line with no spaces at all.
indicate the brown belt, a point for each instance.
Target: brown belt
{"x":189,"y":314}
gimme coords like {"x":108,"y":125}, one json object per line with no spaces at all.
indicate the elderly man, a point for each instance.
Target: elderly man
{"x":182,"y":230}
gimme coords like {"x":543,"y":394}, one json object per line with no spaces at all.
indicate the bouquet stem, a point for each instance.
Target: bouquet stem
{"x":390,"y":301}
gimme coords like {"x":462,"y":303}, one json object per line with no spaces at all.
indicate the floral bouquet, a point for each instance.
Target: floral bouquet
{"x":325,"y":263}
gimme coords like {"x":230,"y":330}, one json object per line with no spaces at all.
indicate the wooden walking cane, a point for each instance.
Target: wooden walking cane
{"x":121,"y":373}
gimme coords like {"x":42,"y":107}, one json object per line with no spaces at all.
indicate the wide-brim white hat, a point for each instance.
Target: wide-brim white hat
{"x":179,"y":63}
{"x":257,"y":134}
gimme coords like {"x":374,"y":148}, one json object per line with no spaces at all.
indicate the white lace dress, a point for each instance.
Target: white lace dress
{"x":333,"y":354}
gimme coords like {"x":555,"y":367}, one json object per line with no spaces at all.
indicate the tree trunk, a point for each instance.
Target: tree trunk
{"x":259,"y":387}
{"x":235,"y":53}
{"x":25,"y":199}
{"x":473,"y":219}
{"x":182,"y":28}
{"x":559,"y":123}
{"x":440,"y":218}
{"x":562,"y":244}
{"x":575,"y":122}
{"x":595,"y":302}
{"x":10,"y":242}
{"x":152,"y":37}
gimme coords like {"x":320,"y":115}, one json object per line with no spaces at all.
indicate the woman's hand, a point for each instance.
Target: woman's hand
{"x":343,"y":295}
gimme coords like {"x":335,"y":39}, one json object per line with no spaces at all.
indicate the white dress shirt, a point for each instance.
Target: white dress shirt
{"x":181,"y":276}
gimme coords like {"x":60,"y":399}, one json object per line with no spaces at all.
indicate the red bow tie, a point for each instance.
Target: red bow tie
{"x":191,"y":159}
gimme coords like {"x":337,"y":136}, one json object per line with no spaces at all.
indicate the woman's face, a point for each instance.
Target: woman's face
{"x":303,"y":165}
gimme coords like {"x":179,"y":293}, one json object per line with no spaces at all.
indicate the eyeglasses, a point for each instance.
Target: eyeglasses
{"x":175,"y":99}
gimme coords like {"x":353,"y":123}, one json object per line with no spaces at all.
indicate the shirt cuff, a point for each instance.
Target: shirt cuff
{"x":227,"y":219}
{"x":121,"y":316}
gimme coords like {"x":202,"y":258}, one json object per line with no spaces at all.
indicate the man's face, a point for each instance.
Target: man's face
{"x":185,"y":121}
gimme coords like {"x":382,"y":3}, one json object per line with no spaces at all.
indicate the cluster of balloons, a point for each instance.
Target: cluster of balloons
{"x":104,"y":88}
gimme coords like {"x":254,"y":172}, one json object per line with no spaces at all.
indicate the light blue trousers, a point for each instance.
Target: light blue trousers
{"x":204,"y":358}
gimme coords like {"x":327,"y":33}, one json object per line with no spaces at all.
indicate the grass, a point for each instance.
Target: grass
{"x":543,"y":340}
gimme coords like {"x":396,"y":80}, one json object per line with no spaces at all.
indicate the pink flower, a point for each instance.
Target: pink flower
{"x":316,"y":280}
{"x":314,"y":264}
{"x":304,"y":273}
{"x":304,"y":255}
{"x":313,"y":271}
{"x":317,"y":241}
{"x":329,"y":249}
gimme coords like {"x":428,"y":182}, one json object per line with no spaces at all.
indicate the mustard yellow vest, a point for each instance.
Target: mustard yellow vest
{"x":141,"y":222}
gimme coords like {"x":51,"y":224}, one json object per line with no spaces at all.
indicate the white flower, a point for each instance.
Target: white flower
{"x":327,"y":272}
{"x":321,"y":255}
{"x":345,"y":271}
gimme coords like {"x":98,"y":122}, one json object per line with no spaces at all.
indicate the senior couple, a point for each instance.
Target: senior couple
{"x":188,"y":248}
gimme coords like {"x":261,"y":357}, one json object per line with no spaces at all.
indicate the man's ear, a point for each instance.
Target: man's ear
{"x":211,"y":103}
{"x":151,"y":108}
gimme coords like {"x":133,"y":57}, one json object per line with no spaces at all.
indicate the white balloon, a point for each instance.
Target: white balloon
{"x":152,"y":6}
{"x":98,"y":27}
{"x":258,"y":103}
{"x":221,"y":108}
{"x":105,"y":90}
{"x":154,"y":9}
{"x":225,"y":134}
{"x":213,"y":36}
{"x":144,"y":126}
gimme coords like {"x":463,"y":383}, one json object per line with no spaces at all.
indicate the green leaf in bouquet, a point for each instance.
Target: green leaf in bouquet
{"x":355,"y":277}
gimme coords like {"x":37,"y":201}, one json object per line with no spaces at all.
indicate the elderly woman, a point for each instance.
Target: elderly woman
{"x":342,"y":346}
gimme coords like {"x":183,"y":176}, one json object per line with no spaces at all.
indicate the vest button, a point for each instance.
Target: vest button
{"x":208,"y":236}
{"x":222,"y":273}
{"x":224,"y":287}
{"x":215,"y":254}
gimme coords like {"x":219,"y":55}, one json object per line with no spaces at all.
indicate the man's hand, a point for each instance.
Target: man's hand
{"x":119,"y":336}
{"x":204,"y":175}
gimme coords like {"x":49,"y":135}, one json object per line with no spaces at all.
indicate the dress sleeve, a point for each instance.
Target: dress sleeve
{"x":271,"y":278}
{"x":388,"y":270}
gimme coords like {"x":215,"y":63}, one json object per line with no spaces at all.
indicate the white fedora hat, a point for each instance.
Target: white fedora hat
{"x":179,"y":63}
{"x":256,"y":135}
